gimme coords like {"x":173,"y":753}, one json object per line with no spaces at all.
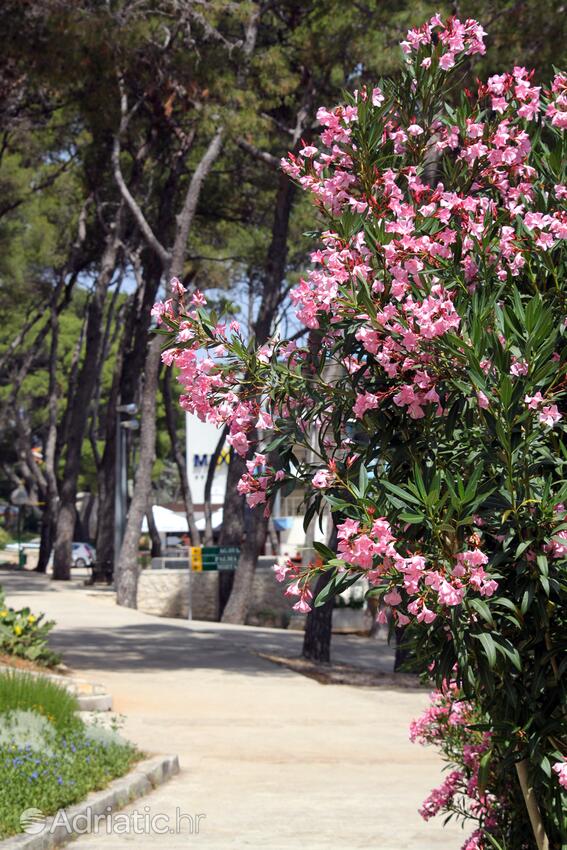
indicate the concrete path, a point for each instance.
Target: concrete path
{"x":269,"y":758}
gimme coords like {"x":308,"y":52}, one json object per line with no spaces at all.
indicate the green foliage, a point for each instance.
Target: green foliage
{"x":76,"y":760}
{"x":23,"y":691}
{"x":25,"y":635}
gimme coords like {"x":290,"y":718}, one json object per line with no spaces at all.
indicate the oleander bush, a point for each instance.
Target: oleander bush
{"x":427,"y":392}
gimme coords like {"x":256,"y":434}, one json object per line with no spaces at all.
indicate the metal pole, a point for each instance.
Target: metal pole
{"x":118,"y":508}
{"x":19,"y":538}
{"x":124,"y":479}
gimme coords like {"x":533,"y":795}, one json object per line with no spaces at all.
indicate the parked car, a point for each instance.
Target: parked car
{"x":83,"y":555}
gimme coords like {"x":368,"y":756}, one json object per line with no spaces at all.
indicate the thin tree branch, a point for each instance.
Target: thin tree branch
{"x":133,"y":205}
{"x":262,"y":156}
{"x":185,"y":217}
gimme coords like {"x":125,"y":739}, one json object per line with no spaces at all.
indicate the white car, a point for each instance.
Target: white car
{"x":83,"y":555}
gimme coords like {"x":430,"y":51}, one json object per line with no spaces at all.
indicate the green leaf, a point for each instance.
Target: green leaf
{"x":489,"y":647}
{"x":326,"y":553}
{"x":541,"y":561}
{"x":480,"y":606}
{"x":484,"y":770}
{"x":406,"y":497}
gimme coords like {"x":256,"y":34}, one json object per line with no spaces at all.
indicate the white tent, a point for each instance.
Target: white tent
{"x":167,"y":521}
{"x":216,"y":519}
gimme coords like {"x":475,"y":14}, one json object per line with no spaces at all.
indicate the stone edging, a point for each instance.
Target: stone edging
{"x":145,"y":776}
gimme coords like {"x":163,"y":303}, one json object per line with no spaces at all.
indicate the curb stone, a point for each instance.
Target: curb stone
{"x":145,"y":776}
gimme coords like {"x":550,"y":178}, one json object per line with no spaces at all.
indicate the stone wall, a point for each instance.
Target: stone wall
{"x":165,"y":593}
{"x":268,"y":605}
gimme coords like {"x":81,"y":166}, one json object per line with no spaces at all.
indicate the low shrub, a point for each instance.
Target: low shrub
{"x":24,"y":692}
{"x":4,"y":538}
{"x":78,"y":763}
{"x":49,"y":758}
{"x":24,"y":635}
{"x":27,"y":729}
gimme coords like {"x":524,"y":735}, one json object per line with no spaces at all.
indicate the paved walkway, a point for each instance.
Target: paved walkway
{"x":270,"y":758}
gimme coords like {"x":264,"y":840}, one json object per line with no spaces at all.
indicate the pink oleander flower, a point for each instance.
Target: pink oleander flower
{"x":239,"y":442}
{"x":392,"y":598}
{"x":518,"y":367}
{"x":560,"y":768}
{"x":549,"y":415}
{"x":177,"y":287}
{"x":442,"y":796}
{"x":475,"y":841}
{"x":304,"y":604}
{"x":449,"y":594}
{"x":535,"y":401}
{"x":323,"y":479}
{"x":377,"y":96}
{"x":282,"y":571}
{"x":364,"y":402}
{"x":415,"y":130}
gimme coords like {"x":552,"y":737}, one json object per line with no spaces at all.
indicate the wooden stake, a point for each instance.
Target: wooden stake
{"x":541,"y":838}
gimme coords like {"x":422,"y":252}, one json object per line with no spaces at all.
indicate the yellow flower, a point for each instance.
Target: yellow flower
{"x":4,"y":612}
{"x":17,"y":630}
{"x":31,"y":618}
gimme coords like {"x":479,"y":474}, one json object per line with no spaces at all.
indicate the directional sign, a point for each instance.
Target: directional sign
{"x":220,"y":557}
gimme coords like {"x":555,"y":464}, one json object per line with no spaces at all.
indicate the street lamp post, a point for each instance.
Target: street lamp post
{"x":121,"y":485}
{"x":19,"y":499}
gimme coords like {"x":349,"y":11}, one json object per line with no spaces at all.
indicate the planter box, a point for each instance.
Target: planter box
{"x":351,"y":621}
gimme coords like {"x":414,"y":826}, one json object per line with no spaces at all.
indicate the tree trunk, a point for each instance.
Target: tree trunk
{"x":232,"y":530}
{"x":237,"y":606}
{"x":125,"y":387}
{"x":79,"y":408}
{"x":317,"y":637}
{"x":318,"y":628}
{"x":126,"y":573}
{"x":126,"y":579}
{"x":180,"y":460}
{"x":233,"y":512}
{"x":153,"y":531}
{"x":46,"y":539}
{"x":49,"y":517}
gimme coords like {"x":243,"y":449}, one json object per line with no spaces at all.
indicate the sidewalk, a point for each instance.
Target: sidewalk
{"x":270,"y":758}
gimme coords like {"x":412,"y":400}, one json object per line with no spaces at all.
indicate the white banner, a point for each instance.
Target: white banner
{"x":201,"y":442}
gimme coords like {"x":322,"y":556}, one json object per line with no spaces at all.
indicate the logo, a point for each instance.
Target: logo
{"x":32,"y":821}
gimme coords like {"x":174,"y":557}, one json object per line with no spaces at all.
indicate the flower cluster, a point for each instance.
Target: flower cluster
{"x":561,"y":770}
{"x":447,"y":724}
{"x":557,"y":109}
{"x":450,"y":38}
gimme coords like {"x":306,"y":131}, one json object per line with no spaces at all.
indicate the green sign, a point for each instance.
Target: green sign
{"x":220,"y":557}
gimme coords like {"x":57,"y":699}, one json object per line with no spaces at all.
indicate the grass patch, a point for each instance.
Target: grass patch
{"x":20,"y":691}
